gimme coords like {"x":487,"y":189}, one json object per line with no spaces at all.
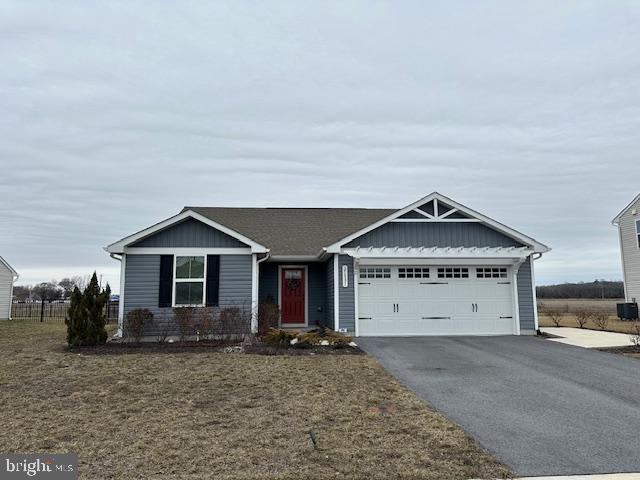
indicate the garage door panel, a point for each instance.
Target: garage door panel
{"x":435,"y":306}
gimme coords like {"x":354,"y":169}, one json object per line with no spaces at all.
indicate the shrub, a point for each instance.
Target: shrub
{"x":555,"y":316}
{"x":308,"y":339}
{"x":268,"y":316}
{"x":86,"y":317}
{"x":234,"y":322}
{"x":279,"y":337}
{"x":184,"y":317}
{"x":635,"y":334}
{"x":136,"y":321}
{"x":205,"y":321}
{"x":601,"y":320}
{"x":583,"y":317}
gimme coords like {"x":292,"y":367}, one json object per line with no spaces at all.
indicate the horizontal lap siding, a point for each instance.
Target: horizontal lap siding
{"x":235,"y":281}
{"x":630,"y":252}
{"x":346,"y":296}
{"x":433,"y":234}
{"x":142,"y":274}
{"x":6,"y":282}
{"x":525,"y":297}
{"x":190,"y":234}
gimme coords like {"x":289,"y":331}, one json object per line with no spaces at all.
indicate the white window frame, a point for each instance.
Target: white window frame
{"x":418,"y":272}
{"x":189,"y":280}
{"x":638,"y":232}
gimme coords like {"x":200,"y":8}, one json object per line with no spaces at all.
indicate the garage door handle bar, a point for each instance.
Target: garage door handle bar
{"x":434,"y":283}
{"x":506,"y":317}
{"x":436,"y":318}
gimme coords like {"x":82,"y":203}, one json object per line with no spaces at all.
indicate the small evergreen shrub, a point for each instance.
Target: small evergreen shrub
{"x":86,"y":318}
{"x":136,"y":321}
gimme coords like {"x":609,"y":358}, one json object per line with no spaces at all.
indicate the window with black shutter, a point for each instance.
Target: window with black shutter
{"x":165,"y":290}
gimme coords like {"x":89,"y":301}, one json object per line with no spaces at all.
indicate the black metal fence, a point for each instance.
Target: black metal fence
{"x":52,"y":311}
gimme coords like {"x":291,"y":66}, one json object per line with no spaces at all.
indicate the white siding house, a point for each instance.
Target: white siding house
{"x":7,"y":276}
{"x":628,"y":223}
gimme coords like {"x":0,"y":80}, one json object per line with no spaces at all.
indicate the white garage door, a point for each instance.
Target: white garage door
{"x":435,"y":300}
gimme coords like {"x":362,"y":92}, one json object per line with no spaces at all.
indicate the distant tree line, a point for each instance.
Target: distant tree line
{"x":50,"y":291}
{"x":595,"y":289}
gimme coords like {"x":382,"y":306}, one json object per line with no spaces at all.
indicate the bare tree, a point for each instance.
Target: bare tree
{"x":47,"y":291}
{"x":583,"y":317}
{"x":555,"y":316}
{"x":601,"y":320}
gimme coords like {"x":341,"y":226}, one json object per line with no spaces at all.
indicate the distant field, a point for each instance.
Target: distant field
{"x":568,"y":307}
{"x":572,"y":305}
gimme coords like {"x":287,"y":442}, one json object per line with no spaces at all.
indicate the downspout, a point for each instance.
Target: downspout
{"x":120,"y":331}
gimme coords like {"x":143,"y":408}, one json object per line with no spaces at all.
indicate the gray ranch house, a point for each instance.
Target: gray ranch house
{"x":434,"y":267}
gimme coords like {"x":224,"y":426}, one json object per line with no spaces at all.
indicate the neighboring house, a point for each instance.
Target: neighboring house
{"x":7,"y":278}
{"x":628,"y":223}
{"x":434,"y":267}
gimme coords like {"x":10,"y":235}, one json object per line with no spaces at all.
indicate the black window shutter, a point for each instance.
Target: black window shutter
{"x":165,"y":291}
{"x":213,"y":280}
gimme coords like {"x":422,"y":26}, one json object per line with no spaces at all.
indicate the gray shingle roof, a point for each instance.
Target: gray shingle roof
{"x":294,"y":231}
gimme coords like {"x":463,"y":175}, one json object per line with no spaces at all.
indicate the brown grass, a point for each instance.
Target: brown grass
{"x":573,"y":305}
{"x":223,"y":416}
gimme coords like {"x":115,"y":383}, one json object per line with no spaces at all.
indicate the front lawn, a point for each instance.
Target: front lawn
{"x":222,"y":415}
{"x":569,"y":320}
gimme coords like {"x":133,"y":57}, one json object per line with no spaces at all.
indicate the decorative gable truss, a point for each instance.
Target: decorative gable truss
{"x":435,"y":211}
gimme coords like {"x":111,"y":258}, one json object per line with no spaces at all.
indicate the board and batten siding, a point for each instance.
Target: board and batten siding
{"x":330,"y":293}
{"x":6,"y":289}
{"x":346,"y":296}
{"x":141,"y":289}
{"x":630,"y":252}
{"x":526,"y":305}
{"x":434,"y":234}
{"x":190,"y":233}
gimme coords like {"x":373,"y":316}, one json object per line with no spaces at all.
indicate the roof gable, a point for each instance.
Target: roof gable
{"x":119,"y":246}
{"x":8,"y":267}
{"x":438,"y":208}
{"x":626,"y":209}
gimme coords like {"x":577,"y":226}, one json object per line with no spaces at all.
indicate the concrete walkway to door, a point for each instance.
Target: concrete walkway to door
{"x":541,"y":407}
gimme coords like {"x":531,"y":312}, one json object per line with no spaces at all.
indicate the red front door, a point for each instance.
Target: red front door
{"x":292,"y":310}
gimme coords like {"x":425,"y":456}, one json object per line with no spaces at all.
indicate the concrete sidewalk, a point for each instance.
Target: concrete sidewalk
{"x":581,"y":337}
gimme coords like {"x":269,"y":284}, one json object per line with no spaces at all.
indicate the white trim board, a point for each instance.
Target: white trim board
{"x":306,"y":295}
{"x":6,"y":264}
{"x":624,"y":210}
{"x":185,"y":251}
{"x":537,"y":246}
{"x":118,"y":247}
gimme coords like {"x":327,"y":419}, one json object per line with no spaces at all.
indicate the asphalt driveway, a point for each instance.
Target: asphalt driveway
{"x":541,"y":407}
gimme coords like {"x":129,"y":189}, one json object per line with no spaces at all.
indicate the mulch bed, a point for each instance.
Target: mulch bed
{"x":208,"y":346}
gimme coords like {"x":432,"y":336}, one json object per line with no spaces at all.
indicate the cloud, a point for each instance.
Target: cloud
{"x":115,"y":115}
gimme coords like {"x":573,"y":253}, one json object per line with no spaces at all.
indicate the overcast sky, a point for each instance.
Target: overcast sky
{"x":113,"y":115}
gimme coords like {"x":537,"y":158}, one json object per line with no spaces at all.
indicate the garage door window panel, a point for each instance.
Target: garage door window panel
{"x":413,"y":272}
{"x":453,"y":272}
{"x":491,"y":272}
